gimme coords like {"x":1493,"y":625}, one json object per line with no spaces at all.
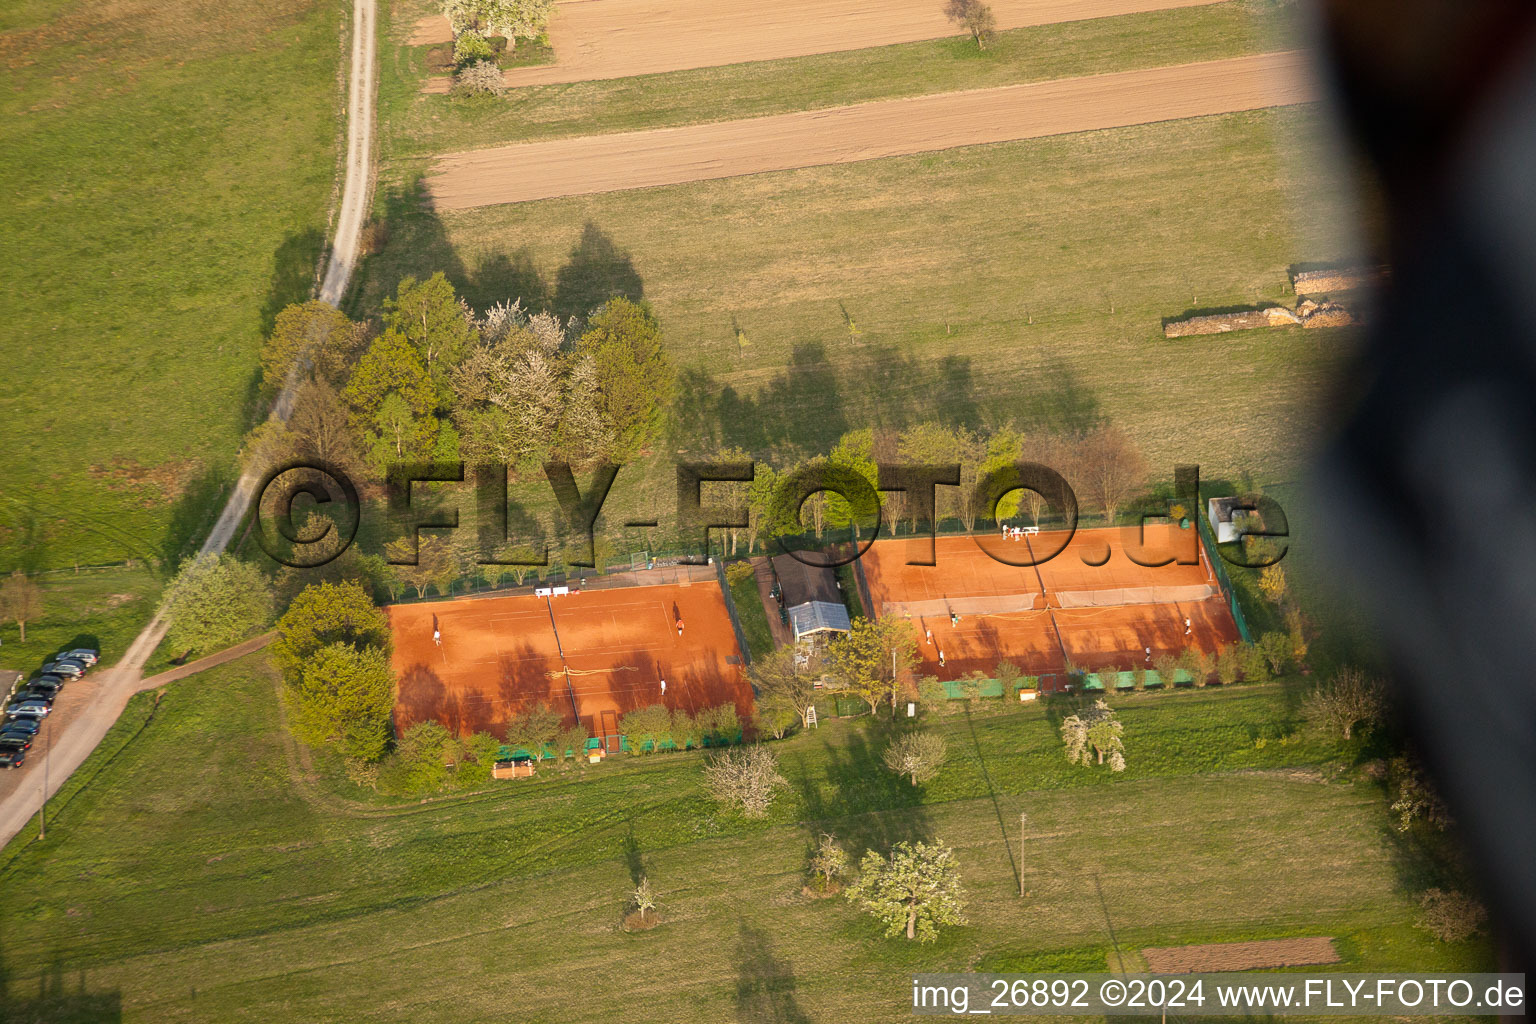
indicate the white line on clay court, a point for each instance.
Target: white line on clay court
{"x":597,"y":39}
{"x":866,"y":131}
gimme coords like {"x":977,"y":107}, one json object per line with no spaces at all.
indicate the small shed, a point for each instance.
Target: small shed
{"x":801,"y":584}
{"x":814,"y":618}
{"x":1227,"y":515}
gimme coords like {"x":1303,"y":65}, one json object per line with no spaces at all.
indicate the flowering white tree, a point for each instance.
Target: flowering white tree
{"x":514,"y":19}
{"x":1095,"y":732}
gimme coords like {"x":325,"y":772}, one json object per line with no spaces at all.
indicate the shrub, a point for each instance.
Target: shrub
{"x":477,"y":757}
{"x":738,"y":573}
{"x":573,"y":739}
{"x":1009,"y":675}
{"x":1451,"y":916}
{"x":1167,"y":666}
{"x":1255,"y":665}
{"x":481,"y":78}
{"x":720,"y":724}
{"x":829,"y":863}
{"x":651,"y":725}
{"x":775,"y":717}
{"x":931,"y":692}
{"x":420,"y":761}
{"x":471,"y":47}
{"x":746,"y":779}
{"x":1228,"y":665}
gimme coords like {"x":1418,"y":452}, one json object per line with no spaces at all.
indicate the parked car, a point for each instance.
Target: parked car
{"x":20,"y":739}
{"x":12,"y":756}
{"x":72,"y":669}
{"x":39,"y":688}
{"x":30,"y":707}
{"x":20,"y":727}
{"x":85,"y":655}
{"x":51,"y":678}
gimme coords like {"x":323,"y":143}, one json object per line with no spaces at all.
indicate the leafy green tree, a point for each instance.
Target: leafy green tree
{"x":633,"y":371}
{"x":470,"y":47}
{"x":651,"y":725}
{"x":344,"y":696}
{"x":762,"y":506}
{"x":324,"y":614}
{"x":775,"y":716}
{"x":313,"y":337}
{"x":420,"y":761}
{"x":434,"y":320}
{"x":719,"y":723}
{"x":574,"y":739}
{"x":1276,"y":649}
{"x":686,"y":730}
{"x":477,"y":757}
{"x":534,"y":729}
{"x":780,"y":679}
{"x":872,"y":658}
{"x":916,"y":891}
{"x":854,"y":452}
{"x":214,"y":602}
{"x":391,"y":363}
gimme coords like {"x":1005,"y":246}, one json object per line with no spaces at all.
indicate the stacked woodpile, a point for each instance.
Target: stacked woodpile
{"x":1220,"y":323}
{"x":1308,"y":313}
{"x":1324,"y":314}
{"x":1338,"y":279}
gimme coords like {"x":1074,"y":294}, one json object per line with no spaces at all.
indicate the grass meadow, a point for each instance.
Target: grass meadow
{"x":1025,"y":281}
{"x":170,"y":170}
{"x":200,"y":868}
{"x":426,"y":125}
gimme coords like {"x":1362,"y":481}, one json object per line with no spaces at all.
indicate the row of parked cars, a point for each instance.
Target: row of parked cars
{"x":32,"y":703}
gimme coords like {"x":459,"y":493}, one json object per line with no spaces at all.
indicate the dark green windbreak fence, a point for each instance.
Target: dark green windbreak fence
{"x":1208,"y":541}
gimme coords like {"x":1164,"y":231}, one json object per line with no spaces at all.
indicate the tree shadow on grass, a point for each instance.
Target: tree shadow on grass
{"x":596,"y":270}
{"x":765,"y":984}
{"x":855,"y":797}
{"x":820,"y":395}
{"x":294,"y":266}
{"x":55,"y":1002}
{"x":193,"y":515}
{"x":504,"y":278}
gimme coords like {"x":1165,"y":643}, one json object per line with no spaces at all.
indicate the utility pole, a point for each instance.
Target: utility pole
{"x":42,"y":811}
{"x":1023,"y":824}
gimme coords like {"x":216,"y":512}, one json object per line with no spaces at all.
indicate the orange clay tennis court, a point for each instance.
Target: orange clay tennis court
{"x":583,"y":654}
{"x":1090,"y":604}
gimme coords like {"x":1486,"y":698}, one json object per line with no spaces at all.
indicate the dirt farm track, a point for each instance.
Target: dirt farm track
{"x":866,"y":131}
{"x":618,"y":38}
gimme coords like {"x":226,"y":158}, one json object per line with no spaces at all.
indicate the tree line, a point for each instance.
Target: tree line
{"x":434,"y":381}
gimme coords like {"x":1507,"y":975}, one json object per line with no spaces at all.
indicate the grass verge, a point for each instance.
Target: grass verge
{"x":296,"y":898}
